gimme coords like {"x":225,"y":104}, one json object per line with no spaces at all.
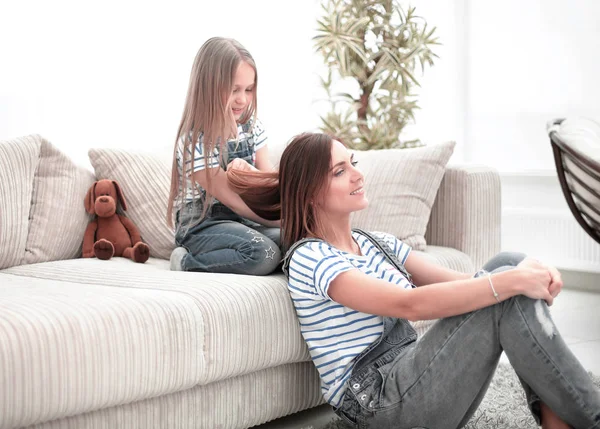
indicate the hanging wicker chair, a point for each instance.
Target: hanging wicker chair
{"x":576,"y":146}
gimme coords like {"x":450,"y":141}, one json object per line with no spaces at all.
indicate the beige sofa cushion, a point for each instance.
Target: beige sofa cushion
{"x":116,"y":332}
{"x":145,"y":181}
{"x":57,"y":217}
{"x":70,"y":347}
{"x":401,"y":185}
{"x":42,"y":217}
{"x":18,"y":160}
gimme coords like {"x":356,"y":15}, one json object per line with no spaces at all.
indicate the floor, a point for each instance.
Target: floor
{"x":575,"y":313}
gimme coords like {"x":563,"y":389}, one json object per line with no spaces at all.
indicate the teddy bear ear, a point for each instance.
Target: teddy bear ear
{"x":120,"y":196}
{"x":90,"y":199}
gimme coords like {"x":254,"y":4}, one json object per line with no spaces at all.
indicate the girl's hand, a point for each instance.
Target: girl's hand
{"x":535,"y":280}
{"x":240,"y":164}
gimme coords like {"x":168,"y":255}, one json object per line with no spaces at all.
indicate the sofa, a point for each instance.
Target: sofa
{"x":88,"y":343}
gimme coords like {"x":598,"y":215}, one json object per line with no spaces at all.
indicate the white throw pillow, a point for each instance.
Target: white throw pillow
{"x":42,"y":217}
{"x":18,"y":160}
{"x":401,"y":186}
{"x":57,"y":218}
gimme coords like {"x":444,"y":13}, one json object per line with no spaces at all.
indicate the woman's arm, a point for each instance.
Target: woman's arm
{"x":361,"y":292}
{"x":425,"y":272}
{"x":219,"y":188}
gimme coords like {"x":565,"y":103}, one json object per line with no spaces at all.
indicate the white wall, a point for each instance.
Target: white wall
{"x":442,"y":95}
{"x":115,"y":73}
{"x":527,"y":63}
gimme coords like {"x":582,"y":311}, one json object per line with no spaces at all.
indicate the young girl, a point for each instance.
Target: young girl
{"x":215,"y":229}
{"x":353,"y":308}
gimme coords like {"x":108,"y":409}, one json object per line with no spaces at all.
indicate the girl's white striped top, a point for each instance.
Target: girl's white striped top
{"x":335,"y":334}
{"x":251,"y":134}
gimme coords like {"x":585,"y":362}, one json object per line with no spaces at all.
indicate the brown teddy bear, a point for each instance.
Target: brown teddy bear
{"x":111,"y":234}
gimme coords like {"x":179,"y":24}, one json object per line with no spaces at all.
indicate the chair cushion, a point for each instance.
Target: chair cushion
{"x":582,"y":135}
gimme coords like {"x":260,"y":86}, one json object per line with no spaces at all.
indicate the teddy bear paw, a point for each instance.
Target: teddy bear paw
{"x":141,"y":252}
{"x":103,"y":249}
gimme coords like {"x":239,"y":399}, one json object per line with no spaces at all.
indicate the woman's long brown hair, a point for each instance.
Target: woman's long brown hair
{"x":292,"y":194}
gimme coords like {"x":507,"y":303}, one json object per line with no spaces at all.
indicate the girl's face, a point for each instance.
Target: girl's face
{"x":243,"y":89}
{"x":345,"y":193}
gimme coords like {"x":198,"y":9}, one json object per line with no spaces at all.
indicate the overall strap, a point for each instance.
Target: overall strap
{"x":387,"y":251}
{"x":288,"y":255}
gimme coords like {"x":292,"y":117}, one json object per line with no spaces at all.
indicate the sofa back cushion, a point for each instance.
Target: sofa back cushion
{"x":145,"y":181}
{"x":42,"y":217}
{"x":57,"y":216}
{"x":18,"y":160}
{"x":401,"y":186}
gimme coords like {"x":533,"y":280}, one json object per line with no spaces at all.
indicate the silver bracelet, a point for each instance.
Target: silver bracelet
{"x":492,"y":286}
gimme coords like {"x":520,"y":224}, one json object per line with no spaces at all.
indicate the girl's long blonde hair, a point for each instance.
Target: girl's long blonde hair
{"x":207,"y":112}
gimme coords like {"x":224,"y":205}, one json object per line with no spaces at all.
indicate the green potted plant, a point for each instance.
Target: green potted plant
{"x":371,"y":50}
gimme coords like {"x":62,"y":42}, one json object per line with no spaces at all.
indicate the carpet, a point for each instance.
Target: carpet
{"x":503,"y":406}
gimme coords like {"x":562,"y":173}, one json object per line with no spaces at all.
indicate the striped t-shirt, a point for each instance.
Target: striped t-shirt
{"x":251,"y":137}
{"x":335,"y":334}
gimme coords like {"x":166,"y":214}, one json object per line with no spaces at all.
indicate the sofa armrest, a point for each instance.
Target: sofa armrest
{"x":466,"y":214}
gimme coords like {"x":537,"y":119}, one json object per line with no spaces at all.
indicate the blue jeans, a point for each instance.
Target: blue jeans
{"x":224,"y":242}
{"x":440,"y":380}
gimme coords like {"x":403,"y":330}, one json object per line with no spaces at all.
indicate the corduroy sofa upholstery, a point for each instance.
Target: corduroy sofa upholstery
{"x":86,"y":343}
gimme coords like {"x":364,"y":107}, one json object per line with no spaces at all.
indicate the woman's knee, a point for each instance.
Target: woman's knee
{"x":504,"y":259}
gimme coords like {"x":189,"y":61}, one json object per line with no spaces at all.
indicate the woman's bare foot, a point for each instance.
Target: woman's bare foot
{"x":550,"y":420}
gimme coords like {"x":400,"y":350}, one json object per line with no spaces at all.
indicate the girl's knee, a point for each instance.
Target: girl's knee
{"x":262,"y":258}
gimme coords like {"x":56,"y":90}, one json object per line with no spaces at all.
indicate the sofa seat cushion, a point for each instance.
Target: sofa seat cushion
{"x":68,"y":348}
{"x":90,"y":334}
{"x":246,"y":323}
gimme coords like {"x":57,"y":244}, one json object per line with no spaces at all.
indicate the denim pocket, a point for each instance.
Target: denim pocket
{"x":387,"y":398}
{"x":400,"y":335}
{"x":346,"y":419}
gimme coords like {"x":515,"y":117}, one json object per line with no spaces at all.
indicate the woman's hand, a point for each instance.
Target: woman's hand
{"x":240,"y":164}
{"x":538,"y":280}
{"x":556,"y":282}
